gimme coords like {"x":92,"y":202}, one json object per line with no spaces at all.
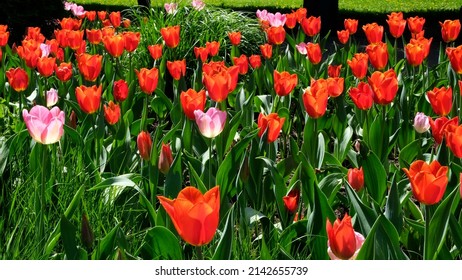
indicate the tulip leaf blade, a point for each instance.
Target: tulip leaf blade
{"x":225,"y":245}
{"x":161,"y":243}
{"x":375,"y":176}
{"x":393,"y":210}
{"x":409,"y":153}
{"x":68,"y":232}
{"x":365,"y":215}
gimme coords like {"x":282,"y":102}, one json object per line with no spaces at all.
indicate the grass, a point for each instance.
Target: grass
{"x":363,"y":6}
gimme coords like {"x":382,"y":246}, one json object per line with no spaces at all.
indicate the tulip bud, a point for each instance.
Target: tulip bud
{"x":87,"y":236}
{"x":144,"y":144}
{"x":52,"y":97}
{"x":421,"y":123}
{"x":355,"y":178}
{"x":165,"y":158}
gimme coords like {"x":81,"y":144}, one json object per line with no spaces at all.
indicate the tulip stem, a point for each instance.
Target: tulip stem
{"x":200,"y":256}
{"x":427,"y":231}
{"x":210,"y":162}
{"x":40,"y":200}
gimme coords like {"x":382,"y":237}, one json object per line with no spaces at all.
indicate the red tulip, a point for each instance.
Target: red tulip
{"x":335,"y":86}
{"x":144,"y":143}
{"x":89,"y":98}
{"x":314,"y":52}
{"x":212,"y":47}
{"x":378,"y":55}
{"x":291,"y":200}
{"x":358,"y":65}
{"x":266,"y":51}
{"x":362,"y":96}
{"x":311,"y":26}
{"x":384,"y":85}
{"x":195,"y":216}
{"x":94,"y":36}
{"x":454,"y":139}
{"x":191,"y":101}
{"x":120,"y":90}
{"x":243,"y":63}
{"x":220,"y":84}
{"x":45,"y":66}
{"x":355,"y":178}
{"x":291,"y":20}
{"x":397,"y":24}
{"x":272,"y":124}
{"x":343,"y":242}
{"x":202,"y":53}
{"x":235,"y":38}
{"x":415,"y":24}
{"x":171,"y":35}
{"x":284,"y":82}
{"x":455,"y":57}
{"x":155,"y":51}
{"x":165,"y":158}
{"x":315,"y":98}
{"x":351,"y":25}
{"x":63,"y":71}
{"x":276,"y":35}
{"x":333,"y":71}
{"x":114,"y":17}
{"x":374,"y":32}
{"x":450,"y":30}
{"x":131,"y":40}
{"x":148,"y":79}
{"x":439,"y":127}
{"x":18,"y":79}
{"x":255,"y":61}
{"x":343,"y":36}
{"x":414,"y":54}
{"x":114,"y":45}
{"x":112,"y":113}
{"x":440,"y":100}
{"x":177,"y":69}
{"x":89,"y":66}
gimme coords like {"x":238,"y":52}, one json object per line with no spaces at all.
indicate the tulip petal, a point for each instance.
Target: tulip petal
{"x":53,"y":132}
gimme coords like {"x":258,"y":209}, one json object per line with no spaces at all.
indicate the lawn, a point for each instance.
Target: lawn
{"x":384,"y":6}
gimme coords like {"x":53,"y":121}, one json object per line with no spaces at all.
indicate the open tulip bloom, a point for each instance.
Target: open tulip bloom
{"x":212,"y":123}
{"x":45,"y":126}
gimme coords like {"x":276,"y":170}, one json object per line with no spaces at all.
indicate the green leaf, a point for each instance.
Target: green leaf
{"x":341,"y":149}
{"x":174,"y":178}
{"x":161,"y":244}
{"x":331,"y":184}
{"x":121,"y":180}
{"x":375,"y":176}
{"x":68,"y":232}
{"x":409,"y":153}
{"x":393,"y":210}
{"x":224,"y":247}
{"x":382,"y":242}
{"x":106,"y":246}
{"x":365,"y":215}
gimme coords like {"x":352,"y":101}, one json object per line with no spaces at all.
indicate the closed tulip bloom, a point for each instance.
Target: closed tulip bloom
{"x":89,"y":66}
{"x":333,"y":71}
{"x":291,"y":200}
{"x":51,"y":97}
{"x":75,"y":39}
{"x":355,"y":177}
{"x":202,"y":53}
{"x":266,"y":51}
{"x":18,"y":79}
{"x":378,"y":55}
{"x":291,"y":20}
{"x":362,"y":96}
{"x":255,"y":61}
{"x":120,"y":90}
{"x":343,"y":242}
{"x":439,"y":126}
{"x":351,"y":25}
{"x":384,"y":85}
{"x":343,"y":36}
{"x":4,"y":38}
{"x":144,"y":144}
{"x":70,"y":23}
{"x":301,"y":48}
{"x":211,"y":123}
{"x":301,"y":14}
{"x":108,"y":31}
{"x":374,"y":32}
{"x":195,"y":216}
{"x":191,"y":101}
{"x":335,"y":86}
{"x":314,"y":52}
{"x":450,"y":30}
{"x":243,"y":64}
{"x":35,"y":34}
{"x":414,"y":54}
{"x":148,"y":79}
{"x":63,"y":71}
{"x":220,"y":84}
{"x":428,"y":181}
{"x":359,"y":64}
{"x":397,"y":24}
{"x":171,"y":35}
{"x":315,"y":98}
{"x":421,"y":123}
{"x":45,"y":66}
{"x":89,"y":98}
{"x":235,"y":38}
{"x":272,"y":124}
{"x":91,"y":15}
{"x":101,"y":15}
{"x":131,"y":40}
{"x":212,"y":47}
{"x":454,"y":139}
{"x":155,"y":51}
{"x":424,"y":43}
{"x":455,"y":57}
{"x":114,"y":45}
{"x":115,"y":19}
{"x":311,"y":26}
{"x":112,"y":113}
{"x":165,"y":158}
{"x":44,"y":126}
{"x":415,"y":24}
{"x":440,"y":100}
{"x":284,"y":82}
{"x":177,"y":69}
{"x":276,"y":35}
{"x":94,"y":36}
{"x":198,"y":4}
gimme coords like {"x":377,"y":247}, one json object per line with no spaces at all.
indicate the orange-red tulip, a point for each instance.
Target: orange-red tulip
{"x":374,"y":32}
{"x":132,"y":39}
{"x":144,"y":144}
{"x":438,"y":127}
{"x":415,"y":24}
{"x":384,"y":85}
{"x":333,"y":71}
{"x":453,"y":135}
{"x":362,"y":96}
{"x":220,"y":84}
{"x":89,"y":65}
{"x":428,"y":181}
{"x":291,"y":20}
{"x":414,"y":54}
{"x":148,"y":79}
{"x":212,"y":47}
{"x":358,"y":65}
{"x":75,"y":39}
{"x":102,"y":15}
{"x":94,"y":36}
{"x":177,"y":69}
{"x":155,"y":51}
{"x":314,"y":52}
{"x":45,"y":66}
{"x":115,"y":19}
{"x":30,"y":52}
{"x":315,"y":98}
{"x":18,"y":79}
{"x":235,"y":38}
{"x":440,"y":100}
{"x":397,"y":24}
{"x":355,"y":177}
{"x":455,"y":57}
{"x":343,"y":36}
{"x":378,"y":55}
{"x":266,"y":51}
{"x":351,"y":25}
{"x":301,"y":14}
{"x":311,"y":26}
{"x":243,"y":63}
{"x":126,"y":23}
{"x":195,"y":216}
{"x":4,"y":38}
{"x":63,"y":71}
{"x":120,"y":90}
{"x":202,"y":53}
{"x":272,"y":124}
{"x":89,"y":98}
{"x":450,"y":30}
{"x":108,"y":31}
{"x":291,"y":200}
{"x":284,"y":82}
{"x":335,"y":86}
{"x":255,"y":61}
{"x":35,"y":34}
{"x":425,"y":43}
{"x":91,"y":15}
{"x":192,"y":100}
{"x":70,"y":23}
{"x":112,"y":113}
{"x":276,"y":35}
{"x":115,"y":45}
{"x":165,"y":158}
{"x":341,"y":238}
{"x":171,"y":35}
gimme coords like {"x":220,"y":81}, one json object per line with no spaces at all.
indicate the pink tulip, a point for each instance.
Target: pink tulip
{"x":45,"y":126}
{"x":301,"y":48}
{"x":421,"y":123}
{"x":52,"y":97}
{"x":171,"y":8}
{"x":211,"y":123}
{"x":198,"y":4}
{"x":277,"y":19}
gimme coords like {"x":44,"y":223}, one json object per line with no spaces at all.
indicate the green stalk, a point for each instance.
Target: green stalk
{"x":210,"y":162}
{"x":200,"y":256}
{"x":427,"y":230}
{"x":40,"y":206}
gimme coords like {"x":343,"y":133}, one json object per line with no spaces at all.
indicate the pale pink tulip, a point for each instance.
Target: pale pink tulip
{"x":52,"y":97}
{"x":211,"y":123}
{"x":44,"y":126}
{"x":421,"y":123}
{"x":262,"y":15}
{"x":277,"y":19}
{"x":198,"y":4}
{"x":171,"y":8}
{"x":301,"y":48}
